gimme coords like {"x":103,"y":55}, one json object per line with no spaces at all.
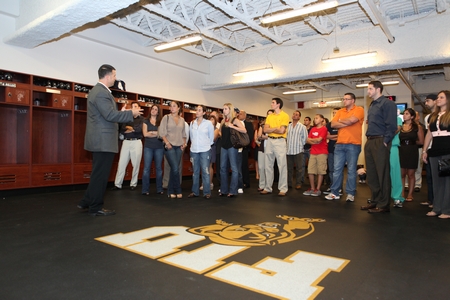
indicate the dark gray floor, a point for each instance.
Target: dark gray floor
{"x":48,"y":247}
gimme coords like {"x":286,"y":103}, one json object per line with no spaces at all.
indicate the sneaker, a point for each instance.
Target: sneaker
{"x":327,"y":191}
{"x":340,"y":192}
{"x":398,"y":203}
{"x":308,"y":192}
{"x":211,"y":186}
{"x":240,"y":191}
{"x":350,"y":198}
{"x":360,"y":181}
{"x":316,"y":193}
{"x":332,"y":196}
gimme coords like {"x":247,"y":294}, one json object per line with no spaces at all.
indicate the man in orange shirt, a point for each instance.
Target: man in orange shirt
{"x":348,"y":121}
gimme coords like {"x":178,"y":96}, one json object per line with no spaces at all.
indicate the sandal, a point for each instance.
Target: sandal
{"x":172,"y":196}
{"x":409,"y":199}
{"x":431,"y":214}
{"x":444,"y":216}
{"x":425,"y":203}
{"x":179,"y":196}
{"x":191,"y":195}
{"x":230,"y":195}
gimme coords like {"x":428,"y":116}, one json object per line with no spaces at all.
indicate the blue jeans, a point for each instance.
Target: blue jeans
{"x":345,"y":153}
{"x":173,"y":157}
{"x":200,"y":162}
{"x":149,"y":155}
{"x":228,"y":156}
{"x":330,"y":167}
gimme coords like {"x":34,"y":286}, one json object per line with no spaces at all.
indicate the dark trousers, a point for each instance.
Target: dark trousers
{"x":244,"y":168}
{"x":378,"y":171}
{"x":429,"y":182}
{"x":101,"y":167}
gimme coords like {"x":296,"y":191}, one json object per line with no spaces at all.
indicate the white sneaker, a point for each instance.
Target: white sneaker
{"x":398,"y":203}
{"x":240,"y":191}
{"x":332,"y":196}
{"x":316,"y":193}
{"x":350,"y":198}
{"x":308,"y":192}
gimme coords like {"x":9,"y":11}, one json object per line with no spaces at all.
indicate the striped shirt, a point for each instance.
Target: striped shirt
{"x":296,"y":138}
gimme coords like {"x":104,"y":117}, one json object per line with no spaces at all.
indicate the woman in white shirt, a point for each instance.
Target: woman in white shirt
{"x":201,"y":133}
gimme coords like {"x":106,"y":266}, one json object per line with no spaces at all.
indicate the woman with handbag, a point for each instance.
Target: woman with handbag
{"x":201,"y":133}
{"x":439,"y":133}
{"x":228,"y":153}
{"x":153,"y":150}
{"x":173,"y":134}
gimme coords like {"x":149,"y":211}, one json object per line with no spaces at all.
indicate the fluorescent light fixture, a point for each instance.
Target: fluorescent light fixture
{"x":300,"y":91}
{"x":252,"y":72}
{"x":393,"y":82}
{"x":348,"y":57}
{"x":300,"y":12}
{"x":178,"y":43}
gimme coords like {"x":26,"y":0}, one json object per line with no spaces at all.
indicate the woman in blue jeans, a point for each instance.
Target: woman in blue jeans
{"x":202,"y":137}
{"x":172,"y":131}
{"x":153,"y":150}
{"x":229,"y":154}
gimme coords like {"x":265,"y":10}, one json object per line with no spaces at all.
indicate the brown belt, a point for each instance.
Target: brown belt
{"x":371,"y":137}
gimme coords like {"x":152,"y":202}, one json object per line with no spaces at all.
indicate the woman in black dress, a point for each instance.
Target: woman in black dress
{"x":411,"y":136}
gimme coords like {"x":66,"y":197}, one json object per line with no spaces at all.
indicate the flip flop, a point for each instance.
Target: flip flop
{"x":409,"y":199}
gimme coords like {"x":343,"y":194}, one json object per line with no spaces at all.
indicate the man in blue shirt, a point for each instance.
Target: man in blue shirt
{"x":381,"y":128}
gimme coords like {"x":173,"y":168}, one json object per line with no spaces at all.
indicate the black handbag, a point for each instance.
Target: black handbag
{"x":444,"y":167}
{"x":239,"y":139}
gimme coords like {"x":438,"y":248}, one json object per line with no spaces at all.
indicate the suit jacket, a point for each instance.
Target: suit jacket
{"x":102,"y":129}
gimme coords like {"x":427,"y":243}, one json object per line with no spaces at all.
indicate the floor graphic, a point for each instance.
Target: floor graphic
{"x":294,"y":277}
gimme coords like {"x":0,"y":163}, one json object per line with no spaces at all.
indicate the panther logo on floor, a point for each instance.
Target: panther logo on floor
{"x":262,"y":234}
{"x":295,"y":276}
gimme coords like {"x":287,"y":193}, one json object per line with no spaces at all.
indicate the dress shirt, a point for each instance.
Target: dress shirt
{"x":296,"y":138}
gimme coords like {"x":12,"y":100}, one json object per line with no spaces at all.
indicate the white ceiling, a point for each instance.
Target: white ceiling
{"x":232,"y":27}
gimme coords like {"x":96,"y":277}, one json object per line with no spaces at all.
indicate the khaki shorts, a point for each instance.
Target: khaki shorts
{"x":317,"y":164}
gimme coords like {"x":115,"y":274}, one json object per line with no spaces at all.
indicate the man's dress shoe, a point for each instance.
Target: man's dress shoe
{"x":368,"y":206}
{"x":103,"y":213}
{"x":378,"y":210}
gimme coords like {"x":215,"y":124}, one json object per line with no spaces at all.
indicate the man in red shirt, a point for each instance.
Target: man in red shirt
{"x":317,"y":165}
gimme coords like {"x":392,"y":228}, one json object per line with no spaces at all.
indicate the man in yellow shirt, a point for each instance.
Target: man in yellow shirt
{"x":276,"y":127}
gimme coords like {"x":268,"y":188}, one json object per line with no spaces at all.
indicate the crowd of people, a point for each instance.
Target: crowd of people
{"x":284,"y":150}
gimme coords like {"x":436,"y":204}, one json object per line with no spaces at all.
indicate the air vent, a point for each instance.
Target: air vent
{"x":52,"y":176}
{"x":5,"y":179}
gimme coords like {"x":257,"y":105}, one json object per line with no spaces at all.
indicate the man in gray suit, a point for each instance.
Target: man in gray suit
{"x":101,"y":138}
